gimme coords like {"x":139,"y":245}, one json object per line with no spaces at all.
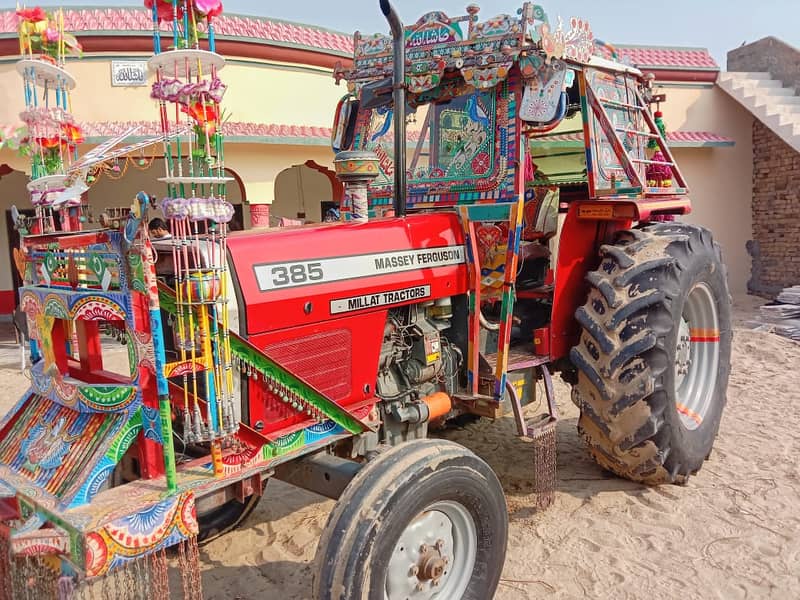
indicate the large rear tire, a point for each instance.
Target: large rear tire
{"x":425,"y":520}
{"x":654,"y":355}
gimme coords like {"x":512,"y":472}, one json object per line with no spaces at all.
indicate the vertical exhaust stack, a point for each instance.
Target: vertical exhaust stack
{"x":399,"y":100}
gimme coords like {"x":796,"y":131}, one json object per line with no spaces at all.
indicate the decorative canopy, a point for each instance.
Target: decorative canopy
{"x":483,"y":52}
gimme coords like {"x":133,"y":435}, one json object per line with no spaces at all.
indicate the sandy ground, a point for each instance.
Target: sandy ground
{"x":732,"y":532}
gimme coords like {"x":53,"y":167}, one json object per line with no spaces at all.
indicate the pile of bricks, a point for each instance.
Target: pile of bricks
{"x":776,"y":214}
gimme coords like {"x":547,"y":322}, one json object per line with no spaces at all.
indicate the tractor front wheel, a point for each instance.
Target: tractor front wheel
{"x":425,"y":520}
{"x":654,"y":355}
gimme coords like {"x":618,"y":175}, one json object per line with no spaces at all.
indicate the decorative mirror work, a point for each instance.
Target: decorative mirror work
{"x":461,"y":118}
{"x":576,"y":45}
{"x":617,"y":94}
{"x":545,"y":82}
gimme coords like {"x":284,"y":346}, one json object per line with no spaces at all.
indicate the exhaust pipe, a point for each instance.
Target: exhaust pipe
{"x":399,"y":98}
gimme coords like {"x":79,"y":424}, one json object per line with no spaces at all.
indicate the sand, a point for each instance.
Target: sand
{"x":732,"y":532}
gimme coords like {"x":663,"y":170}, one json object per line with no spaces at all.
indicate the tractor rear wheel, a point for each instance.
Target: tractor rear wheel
{"x":654,"y":354}
{"x":425,"y":520}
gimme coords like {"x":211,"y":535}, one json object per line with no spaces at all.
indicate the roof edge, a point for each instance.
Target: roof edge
{"x":226,"y":14}
{"x":649,"y":47}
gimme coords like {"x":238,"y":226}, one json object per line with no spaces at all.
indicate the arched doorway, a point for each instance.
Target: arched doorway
{"x":305,"y":192}
{"x":13,"y":192}
{"x":119,"y":188}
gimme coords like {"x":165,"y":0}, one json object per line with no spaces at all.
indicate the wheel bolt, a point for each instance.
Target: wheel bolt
{"x":423,"y":549}
{"x":439,"y":544}
{"x":419,"y":587}
{"x":414,"y":570}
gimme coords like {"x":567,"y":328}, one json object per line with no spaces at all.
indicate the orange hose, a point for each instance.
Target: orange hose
{"x":439,"y":404}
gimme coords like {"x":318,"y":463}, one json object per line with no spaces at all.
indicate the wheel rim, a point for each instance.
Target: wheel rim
{"x":697,"y":356}
{"x":435,"y":555}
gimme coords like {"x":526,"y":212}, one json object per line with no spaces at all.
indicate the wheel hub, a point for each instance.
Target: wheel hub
{"x":432,"y":563}
{"x":434,"y":557}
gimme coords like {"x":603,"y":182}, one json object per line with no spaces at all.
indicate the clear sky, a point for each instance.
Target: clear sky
{"x":718,"y":25}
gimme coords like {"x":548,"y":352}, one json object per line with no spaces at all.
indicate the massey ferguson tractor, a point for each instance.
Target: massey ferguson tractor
{"x":511,"y":210}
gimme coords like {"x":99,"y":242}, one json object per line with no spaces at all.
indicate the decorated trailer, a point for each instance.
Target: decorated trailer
{"x":475,"y":257}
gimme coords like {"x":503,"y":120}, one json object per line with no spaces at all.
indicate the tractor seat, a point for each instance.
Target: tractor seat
{"x":532,"y":279}
{"x":534,"y":263}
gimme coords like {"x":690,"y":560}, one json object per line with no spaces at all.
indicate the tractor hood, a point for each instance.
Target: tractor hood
{"x":303,"y":275}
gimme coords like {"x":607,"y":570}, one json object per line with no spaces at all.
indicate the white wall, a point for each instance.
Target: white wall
{"x":720,"y":180}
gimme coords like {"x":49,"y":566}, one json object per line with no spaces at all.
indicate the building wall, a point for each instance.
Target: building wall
{"x":259,"y":165}
{"x":719,"y":179}
{"x":776,"y":214}
{"x":257,"y":92}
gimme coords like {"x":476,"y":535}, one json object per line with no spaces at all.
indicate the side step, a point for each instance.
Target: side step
{"x":542,"y":432}
{"x":518,"y":359}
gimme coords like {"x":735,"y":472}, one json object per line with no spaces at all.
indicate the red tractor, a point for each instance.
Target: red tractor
{"x":530,"y":227}
{"x":509,"y":212}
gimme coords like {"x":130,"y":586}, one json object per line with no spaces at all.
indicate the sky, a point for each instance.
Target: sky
{"x":719,"y":25}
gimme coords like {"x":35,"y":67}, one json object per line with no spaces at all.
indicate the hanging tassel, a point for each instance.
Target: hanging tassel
{"x":66,"y":588}
{"x":6,"y":577}
{"x":545,"y":450}
{"x":658,"y":117}
{"x":146,"y":578}
{"x":659,"y":175}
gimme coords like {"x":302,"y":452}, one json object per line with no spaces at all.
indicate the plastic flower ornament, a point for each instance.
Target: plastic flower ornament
{"x":164,"y":9}
{"x":208,"y":8}
{"x":32,"y":15}
{"x":204,"y":115}
{"x":72,"y":43}
{"x":49,"y":142}
{"x":51,"y":34}
{"x":42,"y":34}
{"x":72,"y":134}
{"x":14,"y":137}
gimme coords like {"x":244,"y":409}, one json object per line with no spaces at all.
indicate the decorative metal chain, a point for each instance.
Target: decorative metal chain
{"x":147,"y":578}
{"x":32,"y":578}
{"x":545,"y":449}
{"x":189,"y":564}
{"x":159,"y":566}
{"x":6,"y":575}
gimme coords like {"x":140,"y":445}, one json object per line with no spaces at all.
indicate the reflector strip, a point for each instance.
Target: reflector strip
{"x":689,"y":413}
{"x":703,"y":335}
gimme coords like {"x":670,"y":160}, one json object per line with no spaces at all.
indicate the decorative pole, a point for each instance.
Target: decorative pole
{"x":132,"y":233}
{"x":356,"y":169}
{"x":198,"y":213}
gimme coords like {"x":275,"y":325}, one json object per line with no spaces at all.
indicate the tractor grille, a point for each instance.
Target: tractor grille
{"x":323,"y":360}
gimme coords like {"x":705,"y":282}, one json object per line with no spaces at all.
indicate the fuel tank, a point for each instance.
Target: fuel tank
{"x":315,"y":298}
